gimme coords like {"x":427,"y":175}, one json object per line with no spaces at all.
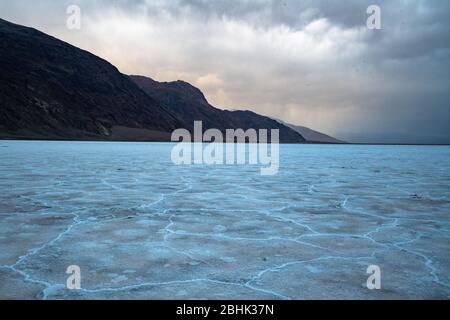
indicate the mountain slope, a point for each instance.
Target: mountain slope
{"x":312,"y":135}
{"x":50,"y":89}
{"x":189,"y":104}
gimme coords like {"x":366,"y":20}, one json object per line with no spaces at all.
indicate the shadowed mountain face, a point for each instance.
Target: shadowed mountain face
{"x":189,"y":104}
{"x":50,"y":89}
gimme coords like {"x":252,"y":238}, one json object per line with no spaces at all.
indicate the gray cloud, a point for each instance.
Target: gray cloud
{"x":309,"y":62}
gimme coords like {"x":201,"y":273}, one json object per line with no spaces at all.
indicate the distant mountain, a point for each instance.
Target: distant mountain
{"x":312,"y":136}
{"x":189,"y":104}
{"x":52,"y":90}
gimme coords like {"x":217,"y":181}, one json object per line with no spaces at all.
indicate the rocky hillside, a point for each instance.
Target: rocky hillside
{"x":50,"y":89}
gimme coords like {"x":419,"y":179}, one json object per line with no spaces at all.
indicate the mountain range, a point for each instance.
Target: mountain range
{"x":50,"y":89}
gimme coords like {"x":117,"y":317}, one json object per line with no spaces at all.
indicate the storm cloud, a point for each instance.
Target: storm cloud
{"x":308,"y":62}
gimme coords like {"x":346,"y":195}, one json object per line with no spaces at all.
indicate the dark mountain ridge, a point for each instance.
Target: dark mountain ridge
{"x":50,"y":89}
{"x":189,"y":104}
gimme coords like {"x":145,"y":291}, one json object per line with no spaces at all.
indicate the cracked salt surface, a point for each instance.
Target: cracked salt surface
{"x":142,"y":228}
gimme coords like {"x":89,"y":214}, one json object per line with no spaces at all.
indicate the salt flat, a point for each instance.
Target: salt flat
{"x":140,"y":227}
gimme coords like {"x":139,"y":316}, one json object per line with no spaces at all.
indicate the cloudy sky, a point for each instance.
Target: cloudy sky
{"x":308,"y":62}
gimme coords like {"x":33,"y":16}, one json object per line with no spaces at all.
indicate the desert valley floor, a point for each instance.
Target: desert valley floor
{"x":140,"y":227}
